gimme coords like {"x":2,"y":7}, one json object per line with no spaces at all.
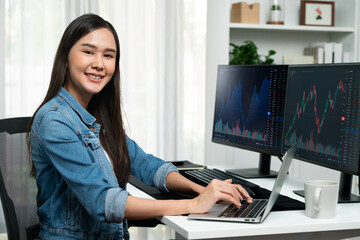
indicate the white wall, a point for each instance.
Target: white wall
{"x":2,"y":59}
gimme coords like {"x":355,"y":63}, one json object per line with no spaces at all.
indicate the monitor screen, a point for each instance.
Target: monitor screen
{"x":249,"y":107}
{"x":322,"y":115}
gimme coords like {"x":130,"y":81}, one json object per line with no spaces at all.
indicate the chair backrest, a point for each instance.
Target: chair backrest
{"x":17,"y":190}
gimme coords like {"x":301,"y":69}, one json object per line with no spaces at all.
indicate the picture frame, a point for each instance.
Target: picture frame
{"x":317,"y":13}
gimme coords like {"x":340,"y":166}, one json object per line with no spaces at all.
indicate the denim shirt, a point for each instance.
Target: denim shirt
{"x":78,"y":193}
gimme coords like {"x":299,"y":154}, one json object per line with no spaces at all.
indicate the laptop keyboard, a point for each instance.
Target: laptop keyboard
{"x":247,"y":210}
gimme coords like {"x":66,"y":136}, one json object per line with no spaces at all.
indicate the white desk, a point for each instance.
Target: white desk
{"x":282,"y":224}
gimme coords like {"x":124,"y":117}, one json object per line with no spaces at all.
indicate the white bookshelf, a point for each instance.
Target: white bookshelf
{"x":289,"y":39}
{"x":298,"y":28}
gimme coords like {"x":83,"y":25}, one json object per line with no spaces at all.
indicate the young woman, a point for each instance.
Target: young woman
{"x":81,"y":156}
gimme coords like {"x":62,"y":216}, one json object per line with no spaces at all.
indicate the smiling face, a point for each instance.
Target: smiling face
{"x":91,"y":65}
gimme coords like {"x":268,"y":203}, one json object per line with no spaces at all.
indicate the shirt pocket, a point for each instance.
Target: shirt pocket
{"x":92,"y":144}
{"x":90,"y":140}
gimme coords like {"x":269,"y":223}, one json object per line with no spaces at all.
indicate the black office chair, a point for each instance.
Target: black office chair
{"x":17,"y":189}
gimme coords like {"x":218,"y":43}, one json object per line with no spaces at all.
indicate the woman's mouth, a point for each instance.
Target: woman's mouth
{"x":96,"y":77}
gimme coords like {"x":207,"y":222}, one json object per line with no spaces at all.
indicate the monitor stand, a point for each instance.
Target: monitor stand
{"x":345,"y":195}
{"x":262,"y":172}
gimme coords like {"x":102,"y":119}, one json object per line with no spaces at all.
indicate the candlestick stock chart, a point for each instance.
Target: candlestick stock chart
{"x":322,"y":114}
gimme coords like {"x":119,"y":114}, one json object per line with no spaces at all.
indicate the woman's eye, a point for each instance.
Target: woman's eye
{"x":87,"y":52}
{"x":108,"y":56}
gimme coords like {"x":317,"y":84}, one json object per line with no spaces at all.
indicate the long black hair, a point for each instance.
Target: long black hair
{"x":105,"y":106}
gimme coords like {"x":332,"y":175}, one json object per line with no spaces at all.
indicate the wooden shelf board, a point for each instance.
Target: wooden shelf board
{"x":291,"y":28}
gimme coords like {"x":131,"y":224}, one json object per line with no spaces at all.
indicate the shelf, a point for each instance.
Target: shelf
{"x":292,"y":28}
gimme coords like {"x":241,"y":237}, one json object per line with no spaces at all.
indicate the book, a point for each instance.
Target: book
{"x":346,"y":57}
{"x":338,"y":52}
{"x":184,"y":165}
{"x":319,"y":56}
{"x":328,"y":53}
{"x":298,"y":60}
{"x":316,"y":52}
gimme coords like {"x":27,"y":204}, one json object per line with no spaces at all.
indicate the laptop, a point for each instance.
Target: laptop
{"x":257,"y":211}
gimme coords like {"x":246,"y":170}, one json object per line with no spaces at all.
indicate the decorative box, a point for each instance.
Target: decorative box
{"x":242,"y":12}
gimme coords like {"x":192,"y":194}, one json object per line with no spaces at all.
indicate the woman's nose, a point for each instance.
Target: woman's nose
{"x":98,"y":62}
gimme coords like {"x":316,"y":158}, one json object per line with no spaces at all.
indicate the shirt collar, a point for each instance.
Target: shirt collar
{"x":86,"y":117}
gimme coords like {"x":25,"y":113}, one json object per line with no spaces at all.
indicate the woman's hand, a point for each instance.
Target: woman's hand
{"x":139,"y":208}
{"x":219,"y":190}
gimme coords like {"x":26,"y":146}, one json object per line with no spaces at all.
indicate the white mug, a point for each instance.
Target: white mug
{"x":321,"y":198}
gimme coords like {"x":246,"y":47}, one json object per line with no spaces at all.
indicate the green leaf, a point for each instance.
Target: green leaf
{"x":271,"y":52}
{"x":247,"y":54}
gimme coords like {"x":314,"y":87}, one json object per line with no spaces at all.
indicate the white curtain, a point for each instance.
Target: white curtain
{"x":2,"y":58}
{"x":33,"y":29}
{"x":162,"y":65}
{"x":163,"y":72}
{"x":32,"y":32}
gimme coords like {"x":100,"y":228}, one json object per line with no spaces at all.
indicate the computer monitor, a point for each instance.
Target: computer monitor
{"x":249,"y":110}
{"x":322,"y":117}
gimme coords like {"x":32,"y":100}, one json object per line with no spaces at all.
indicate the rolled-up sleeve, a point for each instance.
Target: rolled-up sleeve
{"x":161,"y":174}
{"x":115,"y":203}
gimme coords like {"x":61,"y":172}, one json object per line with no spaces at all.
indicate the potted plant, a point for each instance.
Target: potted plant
{"x":275,"y":13}
{"x":247,"y":54}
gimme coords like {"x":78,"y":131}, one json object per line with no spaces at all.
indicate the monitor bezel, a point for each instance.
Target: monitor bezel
{"x":238,"y":145}
{"x":355,"y":172}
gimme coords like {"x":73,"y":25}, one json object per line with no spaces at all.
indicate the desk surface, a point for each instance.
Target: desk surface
{"x":282,"y":222}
